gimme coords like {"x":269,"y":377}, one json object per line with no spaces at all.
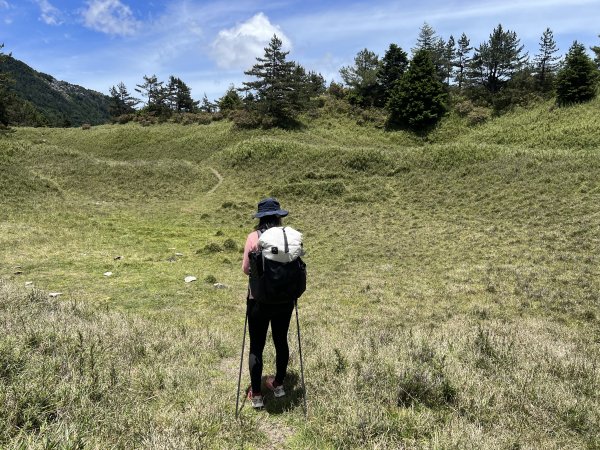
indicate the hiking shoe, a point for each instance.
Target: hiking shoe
{"x":256,"y":400}
{"x":277,"y":389}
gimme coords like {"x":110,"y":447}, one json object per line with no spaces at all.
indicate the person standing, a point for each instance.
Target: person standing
{"x":260,"y":315}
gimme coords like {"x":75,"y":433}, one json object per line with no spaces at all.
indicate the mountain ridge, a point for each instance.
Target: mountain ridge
{"x":61,"y":103}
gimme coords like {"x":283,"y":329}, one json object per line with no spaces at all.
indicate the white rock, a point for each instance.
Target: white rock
{"x":108,"y":274}
{"x":28,"y":283}
{"x":178,"y":254}
{"x":189,"y":279}
{"x":219,"y":286}
{"x":54,"y":294}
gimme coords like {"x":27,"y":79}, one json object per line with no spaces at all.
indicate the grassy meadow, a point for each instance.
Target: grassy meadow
{"x":453,"y":296}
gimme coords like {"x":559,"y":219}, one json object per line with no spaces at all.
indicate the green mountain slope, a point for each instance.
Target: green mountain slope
{"x":61,"y":103}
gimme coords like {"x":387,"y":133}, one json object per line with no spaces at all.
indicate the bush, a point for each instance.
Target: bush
{"x":425,"y":386}
{"x":230,"y":244}
{"x":478,"y":115}
{"x":245,"y":119}
{"x":86,"y":126}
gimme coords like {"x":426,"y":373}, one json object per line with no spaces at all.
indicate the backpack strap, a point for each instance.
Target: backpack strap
{"x":287,"y":248}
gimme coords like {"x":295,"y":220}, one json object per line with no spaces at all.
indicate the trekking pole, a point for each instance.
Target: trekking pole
{"x":301,"y":363}
{"x":237,"y":400}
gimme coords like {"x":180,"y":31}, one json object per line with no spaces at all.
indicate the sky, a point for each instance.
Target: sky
{"x":209,"y":44}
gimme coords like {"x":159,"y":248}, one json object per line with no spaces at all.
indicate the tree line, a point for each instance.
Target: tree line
{"x":413,"y":92}
{"x":494,"y":76}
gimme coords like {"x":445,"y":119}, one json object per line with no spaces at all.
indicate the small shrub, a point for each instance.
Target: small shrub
{"x":213,"y":247}
{"x":230,"y":244}
{"x":245,"y":119}
{"x":210,"y":279}
{"x":425,"y":386}
{"x":478,"y":115}
{"x":125,"y":118}
{"x":86,"y":126}
{"x":464,"y":108}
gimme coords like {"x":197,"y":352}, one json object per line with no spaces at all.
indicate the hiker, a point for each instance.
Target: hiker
{"x":260,"y":314}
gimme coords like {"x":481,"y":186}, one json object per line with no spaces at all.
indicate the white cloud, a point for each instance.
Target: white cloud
{"x":239,"y":46}
{"x":50,"y":14}
{"x":110,"y":17}
{"x":4,"y":4}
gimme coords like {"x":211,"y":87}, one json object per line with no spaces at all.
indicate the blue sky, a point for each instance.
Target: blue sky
{"x":208,"y":44}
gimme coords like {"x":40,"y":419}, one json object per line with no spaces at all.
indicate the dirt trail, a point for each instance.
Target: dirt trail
{"x":219,"y":178}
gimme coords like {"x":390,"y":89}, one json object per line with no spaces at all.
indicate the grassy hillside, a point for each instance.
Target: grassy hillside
{"x":452,"y":303}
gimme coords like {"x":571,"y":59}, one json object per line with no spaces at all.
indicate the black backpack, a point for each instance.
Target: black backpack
{"x":273,"y":282}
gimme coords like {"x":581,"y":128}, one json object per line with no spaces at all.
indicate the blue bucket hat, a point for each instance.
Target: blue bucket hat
{"x":270,"y":207}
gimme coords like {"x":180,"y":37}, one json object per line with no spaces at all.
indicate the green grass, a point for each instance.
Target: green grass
{"x":452,"y":299}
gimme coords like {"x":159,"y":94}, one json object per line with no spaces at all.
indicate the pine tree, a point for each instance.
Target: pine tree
{"x":462,"y":60}
{"x":596,"y":50}
{"x":230,"y":101}
{"x":120,"y":100}
{"x":427,"y":39}
{"x":545,"y":62}
{"x":418,"y":100}
{"x":206,"y":105}
{"x":576,"y":81}
{"x":430,"y":41}
{"x":361,"y":78}
{"x":497,"y":60}
{"x":179,"y":96}
{"x":155,"y":93}
{"x":275,"y":85}
{"x":449,"y":57}
{"x":393,"y":65}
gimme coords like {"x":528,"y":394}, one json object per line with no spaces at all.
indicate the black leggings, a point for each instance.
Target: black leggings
{"x":259,"y":316}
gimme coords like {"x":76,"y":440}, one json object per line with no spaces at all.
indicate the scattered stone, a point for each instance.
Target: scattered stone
{"x":54,"y":294}
{"x":172,"y":258}
{"x":172,"y":248}
{"x":18,"y":272}
{"x":178,"y":254}
{"x":189,"y":279}
{"x":116,"y":258}
{"x":219,"y":286}
{"x":18,"y":267}
{"x":108,"y":274}
{"x":28,"y":283}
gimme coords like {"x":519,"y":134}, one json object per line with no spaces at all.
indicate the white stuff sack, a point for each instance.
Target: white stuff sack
{"x":272,"y":244}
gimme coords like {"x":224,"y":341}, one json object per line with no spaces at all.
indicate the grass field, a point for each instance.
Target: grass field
{"x":453,"y":297}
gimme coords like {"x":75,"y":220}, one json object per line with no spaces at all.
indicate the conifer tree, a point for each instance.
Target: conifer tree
{"x":576,"y":81}
{"x":206,"y":105}
{"x":462,"y":60}
{"x":427,"y":39}
{"x":596,"y":50}
{"x":448,"y":60}
{"x":430,"y":41}
{"x":393,"y":65}
{"x":179,"y":96}
{"x":155,"y":93}
{"x":230,"y":101}
{"x":546,"y":61}
{"x":120,"y":100}
{"x":418,"y":100}
{"x":497,"y":60}
{"x":275,"y":85}
{"x":361,"y":78}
